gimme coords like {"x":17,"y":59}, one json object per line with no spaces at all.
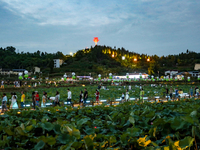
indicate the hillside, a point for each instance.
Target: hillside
{"x":97,"y":60}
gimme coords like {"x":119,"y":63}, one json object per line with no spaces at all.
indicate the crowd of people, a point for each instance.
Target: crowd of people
{"x":83,"y":96}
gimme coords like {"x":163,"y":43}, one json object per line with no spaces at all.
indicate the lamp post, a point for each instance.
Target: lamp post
{"x":20,"y":76}
{"x":73,"y":75}
{"x":110,"y":75}
{"x":140,"y":75}
{"x":26,"y":74}
{"x":65,"y":77}
{"x":99,"y":77}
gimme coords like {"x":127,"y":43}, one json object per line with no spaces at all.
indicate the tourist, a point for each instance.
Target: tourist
{"x":97,"y":96}
{"x":33,"y":99}
{"x":127,"y":95}
{"x":170,"y":93}
{"x":167,"y":92}
{"x":2,"y":84}
{"x":57,"y":99}
{"x":129,"y":87}
{"x":44,"y":99}
{"x":69,"y":96}
{"x":181,"y":93}
{"x":85,"y":96}
{"x":176,"y":93}
{"x":22,"y":99}
{"x":4,"y":102}
{"x":141,"y":94}
{"x":122,"y":98}
{"x":81,"y":98}
{"x":191,"y":92}
{"x":197,"y":92}
{"x":14,"y":102}
{"x":37,"y":98}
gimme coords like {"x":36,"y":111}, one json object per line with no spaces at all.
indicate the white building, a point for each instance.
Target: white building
{"x":57,"y":63}
{"x":171,"y":72}
{"x":132,"y":76}
{"x":36,"y":70}
{"x":197,"y":67}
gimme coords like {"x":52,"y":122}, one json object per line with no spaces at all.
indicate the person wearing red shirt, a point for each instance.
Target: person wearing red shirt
{"x":37,"y":98}
{"x":97,"y":96}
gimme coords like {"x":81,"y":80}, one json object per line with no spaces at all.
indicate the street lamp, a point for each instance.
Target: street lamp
{"x":148,"y":59}
{"x":20,"y":76}
{"x":135,"y":59}
{"x":123,"y":57}
{"x":26,"y":74}
{"x":127,"y":75}
{"x":110,"y":75}
{"x":73,"y":75}
{"x":99,"y":77}
{"x":65,"y":77}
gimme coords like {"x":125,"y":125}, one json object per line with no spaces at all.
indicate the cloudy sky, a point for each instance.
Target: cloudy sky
{"x":151,"y":27}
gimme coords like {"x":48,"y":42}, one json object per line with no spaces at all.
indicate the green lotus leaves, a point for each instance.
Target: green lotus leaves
{"x":39,"y":145}
{"x":47,"y":126}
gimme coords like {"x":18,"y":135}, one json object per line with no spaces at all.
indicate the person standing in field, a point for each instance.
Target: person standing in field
{"x":123,"y":96}
{"x":97,"y":96}
{"x":127,"y":95}
{"x":37,"y":98}
{"x":44,"y":99}
{"x":57,"y":99}
{"x":170,"y":93}
{"x":197,"y":92}
{"x":4,"y":102}
{"x":167,"y":92}
{"x":85,"y":96}
{"x":22,"y":99}
{"x":81,"y":98}
{"x":176,"y":93}
{"x":2,"y":84}
{"x":69,"y":96}
{"x":141,"y":94}
{"x":191,"y":92}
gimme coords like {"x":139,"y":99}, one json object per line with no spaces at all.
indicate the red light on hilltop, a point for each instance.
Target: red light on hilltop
{"x":96,"y":40}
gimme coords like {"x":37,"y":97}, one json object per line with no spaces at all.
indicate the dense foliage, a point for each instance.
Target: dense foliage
{"x":172,"y":125}
{"x":98,"y":59}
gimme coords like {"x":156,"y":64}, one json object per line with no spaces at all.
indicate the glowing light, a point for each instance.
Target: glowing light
{"x":135,"y":59}
{"x":123,"y":57}
{"x":95,"y":127}
{"x":71,"y":53}
{"x":83,"y":85}
{"x":113,"y":55}
{"x":96,"y":40}
{"x":19,"y":112}
{"x":148,"y":59}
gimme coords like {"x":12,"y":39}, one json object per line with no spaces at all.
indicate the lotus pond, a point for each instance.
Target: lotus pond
{"x":131,"y":125}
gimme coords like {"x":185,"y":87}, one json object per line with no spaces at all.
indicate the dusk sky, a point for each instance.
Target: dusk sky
{"x":150,"y":27}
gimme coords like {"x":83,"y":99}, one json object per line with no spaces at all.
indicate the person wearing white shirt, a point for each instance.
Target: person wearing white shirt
{"x":4,"y":101}
{"x":69,"y":96}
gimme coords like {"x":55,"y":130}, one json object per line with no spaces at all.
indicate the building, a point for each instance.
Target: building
{"x":197,"y":67}
{"x":186,"y":74}
{"x":194,"y":73}
{"x":36,"y":70}
{"x":13,"y":71}
{"x":171,"y":72}
{"x":57,"y":63}
{"x":132,"y":76}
